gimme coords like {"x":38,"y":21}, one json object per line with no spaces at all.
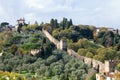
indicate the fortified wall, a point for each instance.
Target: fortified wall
{"x":108,"y":66}
{"x":59,"y":44}
{"x":97,"y":65}
{"x":51,"y":38}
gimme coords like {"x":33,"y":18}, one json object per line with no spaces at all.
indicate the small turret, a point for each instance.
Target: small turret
{"x":63,"y":44}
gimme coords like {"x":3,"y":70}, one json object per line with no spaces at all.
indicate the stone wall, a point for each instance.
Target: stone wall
{"x":97,"y":65}
{"x":74,"y":54}
{"x":51,"y":38}
{"x":59,"y":44}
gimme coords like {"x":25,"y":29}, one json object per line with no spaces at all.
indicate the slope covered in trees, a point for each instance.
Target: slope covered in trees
{"x":84,"y":39}
{"x":54,"y":64}
{"x":59,"y":66}
{"x":50,"y":64}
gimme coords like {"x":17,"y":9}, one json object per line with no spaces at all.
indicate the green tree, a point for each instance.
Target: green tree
{"x":109,"y":38}
{"x":13,"y":49}
{"x":56,"y":23}
{"x":70,"y":23}
{"x":3,"y":24}
{"x":89,"y":54}
{"x":52,"y":23}
{"x":82,"y":52}
{"x":64,"y":23}
{"x":105,"y":54}
{"x":35,"y":25}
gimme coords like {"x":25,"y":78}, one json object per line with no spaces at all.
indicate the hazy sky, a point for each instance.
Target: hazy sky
{"x":93,"y":12}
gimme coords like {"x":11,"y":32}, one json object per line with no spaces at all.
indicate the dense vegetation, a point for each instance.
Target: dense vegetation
{"x":59,"y":66}
{"x":11,"y":76}
{"x":85,"y":40}
{"x":23,"y":43}
{"x":48,"y":64}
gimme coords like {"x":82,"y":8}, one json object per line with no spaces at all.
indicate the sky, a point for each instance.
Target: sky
{"x":100,"y":13}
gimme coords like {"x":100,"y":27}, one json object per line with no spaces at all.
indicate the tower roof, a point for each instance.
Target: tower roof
{"x":21,"y":19}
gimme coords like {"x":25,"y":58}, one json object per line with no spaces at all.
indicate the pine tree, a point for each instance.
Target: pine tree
{"x":56,"y":23}
{"x":70,"y":22}
{"x":52,"y":23}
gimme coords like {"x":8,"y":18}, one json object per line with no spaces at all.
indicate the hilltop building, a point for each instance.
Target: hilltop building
{"x":109,"y":71}
{"x":20,"y":23}
{"x":115,"y":31}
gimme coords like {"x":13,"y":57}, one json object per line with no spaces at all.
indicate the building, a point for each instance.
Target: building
{"x":109,"y":71}
{"x":115,"y":31}
{"x":108,"y":76}
{"x":20,"y":22}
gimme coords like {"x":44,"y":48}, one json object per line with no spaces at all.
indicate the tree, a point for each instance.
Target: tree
{"x":89,"y":54}
{"x":105,"y":54}
{"x":82,"y":52}
{"x":35,"y":25}
{"x":52,"y":23}
{"x":3,"y":24}
{"x":70,"y":23}
{"x":64,"y":23}
{"x":55,"y":34}
{"x":106,"y":38}
{"x":109,"y":38}
{"x":13,"y":49}
{"x":117,"y":76}
{"x":15,"y":40}
{"x":70,"y":34}
{"x":56,"y":23}
{"x":118,"y":67}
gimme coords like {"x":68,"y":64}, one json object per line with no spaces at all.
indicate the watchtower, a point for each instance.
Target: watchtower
{"x":109,"y":66}
{"x":21,"y":21}
{"x":63,"y":44}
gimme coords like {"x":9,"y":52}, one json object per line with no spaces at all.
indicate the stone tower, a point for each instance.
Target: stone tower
{"x":109,"y":66}
{"x":21,"y":21}
{"x":63,"y":44}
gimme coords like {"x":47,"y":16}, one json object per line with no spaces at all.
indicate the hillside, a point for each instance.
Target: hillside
{"x":46,"y":64}
{"x":27,"y":51}
{"x":98,"y":43}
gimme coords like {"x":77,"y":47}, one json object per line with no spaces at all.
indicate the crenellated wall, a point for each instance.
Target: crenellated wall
{"x":97,"y":65}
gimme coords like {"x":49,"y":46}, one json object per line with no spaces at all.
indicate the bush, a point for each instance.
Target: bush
{"x":93,"y":77}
